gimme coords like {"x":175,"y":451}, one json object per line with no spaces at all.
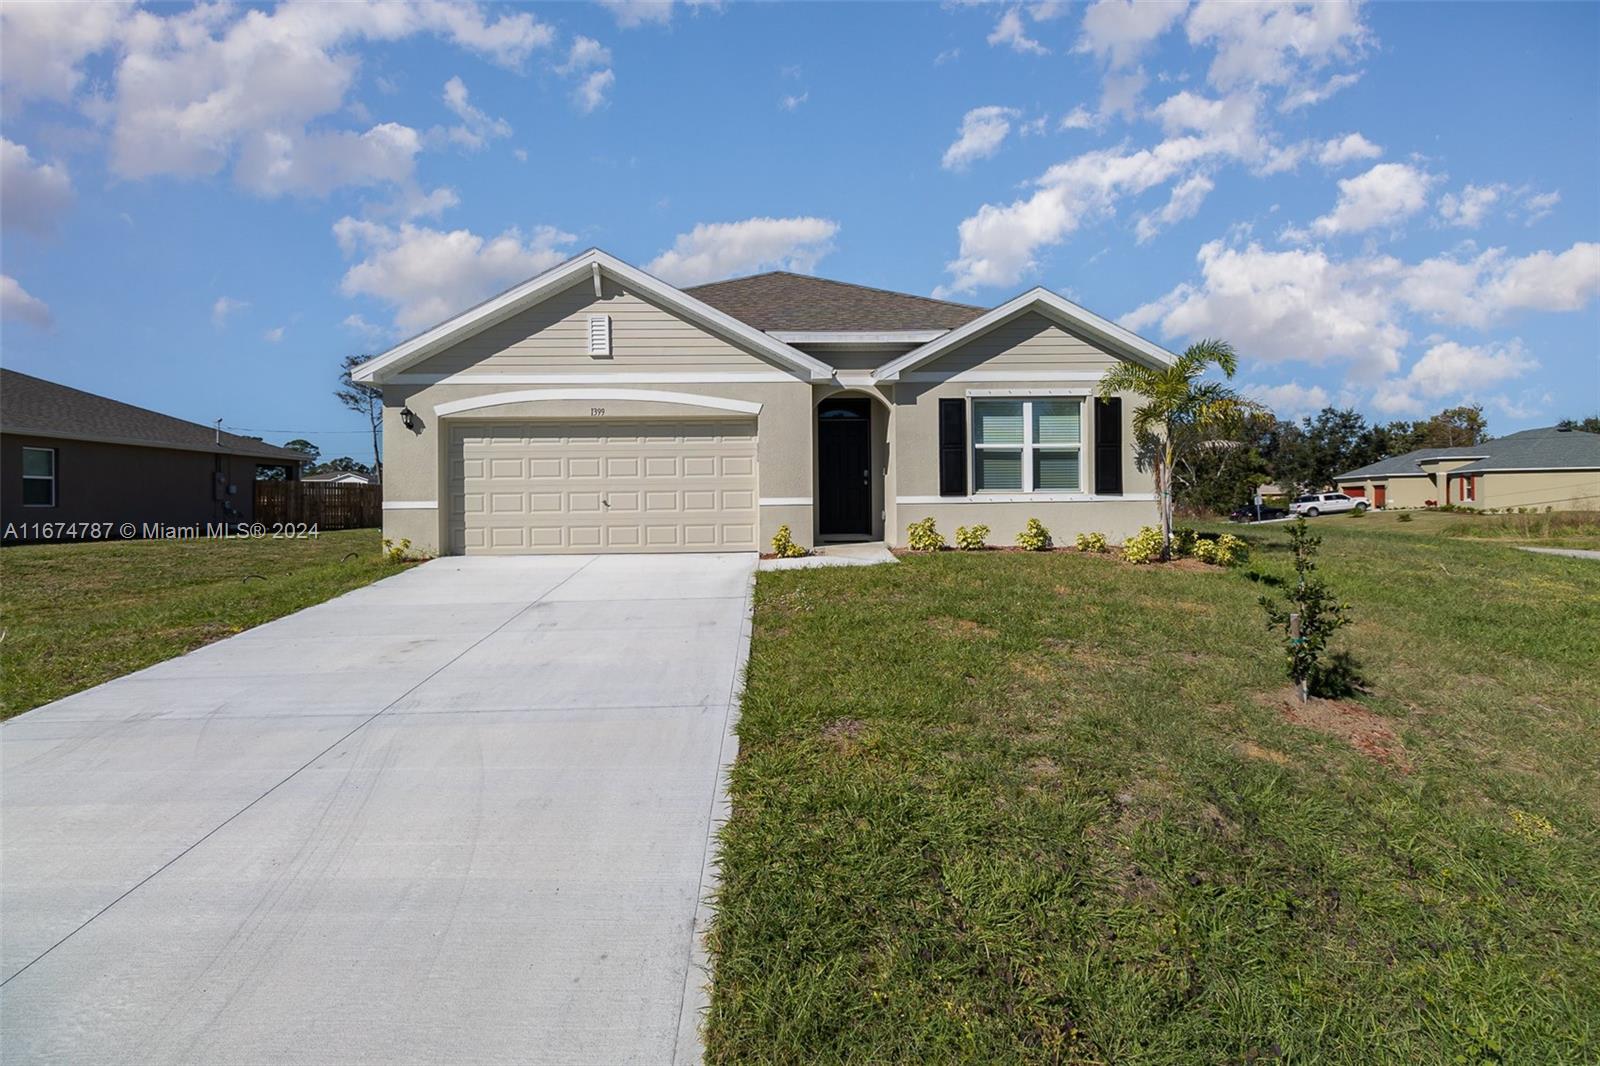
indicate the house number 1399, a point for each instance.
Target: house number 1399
{"x":597,"y":410}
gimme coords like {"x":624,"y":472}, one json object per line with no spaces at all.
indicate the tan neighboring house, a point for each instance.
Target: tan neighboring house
{"x":69,"y":456}
{"x":596,"y":408}
{"x":340,"y":477}
{"x":1555,"y":469}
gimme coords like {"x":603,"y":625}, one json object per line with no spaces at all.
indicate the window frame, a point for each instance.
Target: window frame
{"x":1029,"y":448}
{"x":55,"y":471}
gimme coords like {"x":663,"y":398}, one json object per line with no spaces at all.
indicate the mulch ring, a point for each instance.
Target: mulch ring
{"x":1368,"y":733}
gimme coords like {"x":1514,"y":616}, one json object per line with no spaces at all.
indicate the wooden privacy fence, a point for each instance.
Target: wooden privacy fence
{"x":320,"y":505}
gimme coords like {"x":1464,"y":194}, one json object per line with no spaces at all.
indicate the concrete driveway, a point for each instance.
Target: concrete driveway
{"x":460,"y":815}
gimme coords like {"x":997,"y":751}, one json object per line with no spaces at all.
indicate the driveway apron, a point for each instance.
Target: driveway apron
{"x":463,"y":815}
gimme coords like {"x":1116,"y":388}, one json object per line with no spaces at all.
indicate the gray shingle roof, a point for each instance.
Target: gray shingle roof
{"x":785,"y":302}
{"x":1540,"y":449}
{"x":30,"y":405}
{"x":1532,"y":449}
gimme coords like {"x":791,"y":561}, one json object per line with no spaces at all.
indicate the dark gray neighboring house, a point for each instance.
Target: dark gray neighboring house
{"x":68,"y":456}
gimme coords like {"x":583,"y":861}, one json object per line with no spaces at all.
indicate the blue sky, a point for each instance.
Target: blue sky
{"x":1395,"y":207}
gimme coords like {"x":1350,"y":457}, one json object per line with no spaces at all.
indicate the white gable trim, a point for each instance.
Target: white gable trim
{"x":1058,"y":309}
{"x":688,"y":399}
{"x":593,"y":262}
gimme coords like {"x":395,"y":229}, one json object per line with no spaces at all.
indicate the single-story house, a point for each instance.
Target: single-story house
{"x":68,"y":456}
{"x":1538,"y":468}
{"x":596,"y":408}
{"x":340,"y":477}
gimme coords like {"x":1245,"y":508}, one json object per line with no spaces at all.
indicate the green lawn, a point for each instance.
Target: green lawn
{"x":75,"y":615}
{"x":1052,"y":808}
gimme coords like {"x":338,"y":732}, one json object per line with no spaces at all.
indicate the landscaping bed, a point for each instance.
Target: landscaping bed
{"x":1052,"y":807}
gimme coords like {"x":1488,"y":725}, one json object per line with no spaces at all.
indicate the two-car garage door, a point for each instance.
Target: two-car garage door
{"x":602,"y":486}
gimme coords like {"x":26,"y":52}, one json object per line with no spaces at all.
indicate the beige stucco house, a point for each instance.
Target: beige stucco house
{"x":596,"y":408}
{"x":1542,"y":469}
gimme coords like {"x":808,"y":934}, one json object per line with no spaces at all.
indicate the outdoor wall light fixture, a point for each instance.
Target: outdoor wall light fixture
{"x":408,"y":419}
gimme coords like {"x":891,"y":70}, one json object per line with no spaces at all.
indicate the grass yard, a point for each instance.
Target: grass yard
{"x":1052,"y":808}
{"x":75,"y":615}
{"x":1555,"y":529}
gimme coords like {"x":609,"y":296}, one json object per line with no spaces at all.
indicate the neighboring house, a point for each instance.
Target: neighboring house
{"x":1550,"y":468}
{"x":68,"y":456}
{"x":596,"y":408}
{"x":341,"y":477}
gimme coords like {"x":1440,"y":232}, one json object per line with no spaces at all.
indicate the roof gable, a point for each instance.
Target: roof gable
{"x":34,"y":406}
{"x":1118,"y":341}
{"x":593,"y":263}
{"x":784,"y":302}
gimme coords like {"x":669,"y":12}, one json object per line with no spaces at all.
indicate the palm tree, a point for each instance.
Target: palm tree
{"x":1181,"y":412}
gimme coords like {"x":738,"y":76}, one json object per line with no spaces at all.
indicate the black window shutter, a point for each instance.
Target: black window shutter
{"x":1108,"y":446}
{"x":953,"y":447}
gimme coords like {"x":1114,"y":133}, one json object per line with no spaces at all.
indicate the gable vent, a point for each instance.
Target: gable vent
{"x":599,"y":334}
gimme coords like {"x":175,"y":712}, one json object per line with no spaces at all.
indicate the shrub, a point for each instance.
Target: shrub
{"x":1144,"y":546}
{"x":1183,"y":541}
{"x":972,"y":538}
{"x":1232,"y":550}
{"x":397,"y":552}
{"x":1308,"y":619}
{"x":1092,"y":542}
{"x":783,"y":545}
{"x":1034,"y":536}
{"x":924,"y":536}
{"x":1359,"y":512}
{"x":1405,"y":518}
{"x":1207,"y":552}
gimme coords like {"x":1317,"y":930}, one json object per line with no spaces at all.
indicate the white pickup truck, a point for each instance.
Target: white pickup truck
{"x":1326,"y":503}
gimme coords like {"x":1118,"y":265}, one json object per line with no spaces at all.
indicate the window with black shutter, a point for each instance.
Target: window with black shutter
{"x":953,"y":447}
{"x":1108,"y":446}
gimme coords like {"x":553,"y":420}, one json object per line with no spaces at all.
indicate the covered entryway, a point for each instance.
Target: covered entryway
{"x":612,"y":485}
{"x":844,"y":467}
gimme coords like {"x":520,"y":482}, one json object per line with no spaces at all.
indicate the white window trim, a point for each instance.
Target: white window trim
{"x":1028,"y":446}
{"x":54,"y":470}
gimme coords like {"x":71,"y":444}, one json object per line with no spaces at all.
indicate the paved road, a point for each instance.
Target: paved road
{"x":1571,"y":553}
{"x":460,"y":815}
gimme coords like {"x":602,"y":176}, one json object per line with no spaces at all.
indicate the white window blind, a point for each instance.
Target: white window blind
{"x":1032,"y":445}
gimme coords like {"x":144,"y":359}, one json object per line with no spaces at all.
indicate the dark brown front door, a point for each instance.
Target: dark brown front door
{"x":1378,"y":494}
{"x":844,"y":467}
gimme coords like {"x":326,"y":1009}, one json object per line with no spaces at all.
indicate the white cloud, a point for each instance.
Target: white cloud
{"x":33,"y":196}
{"x":946,"y":56}
{"x":1490,"y":286}
{"x":591,"y":92}
{"x":1295,"y":305}
{"x":1079,"y":118}
{"x":19,"y":305}
{"x":585,"y":53}
{"x":358,"y":325}
{"x":224,"y":308}
{"x":1011,"y":32}
{"x":274,"y":163}
{"x":274,"y":335}
{"x":1187,"y":196}
{"x":1346,"y":149}
{"x":1293,"y":399}
{"x":631,"y":14}
{"x":1117,"y":32}
{"x":793,"y":101}
{"x":999,"y":243}
{"x":1450,"y":368}
{"x":1539,"y":205}
{"x":983,"y":129}
{"x":1308,"y":95}
{"x":43,"y":46}
{"x":1272,"y":44}
{"x":193,"y":90}
{"x":1468,"y":207}
{"x":477,"y":128}
{"x":427,"y":275}
{"x":712,"y":251}
{"x":1384,"y":195}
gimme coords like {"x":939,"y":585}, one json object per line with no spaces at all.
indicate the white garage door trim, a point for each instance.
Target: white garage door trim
{"x":688,"y":399}
{"x":580,"y":486}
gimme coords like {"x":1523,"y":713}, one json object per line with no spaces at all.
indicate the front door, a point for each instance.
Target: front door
{"x":844,"y":467}
{"x":1379,"y":492}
